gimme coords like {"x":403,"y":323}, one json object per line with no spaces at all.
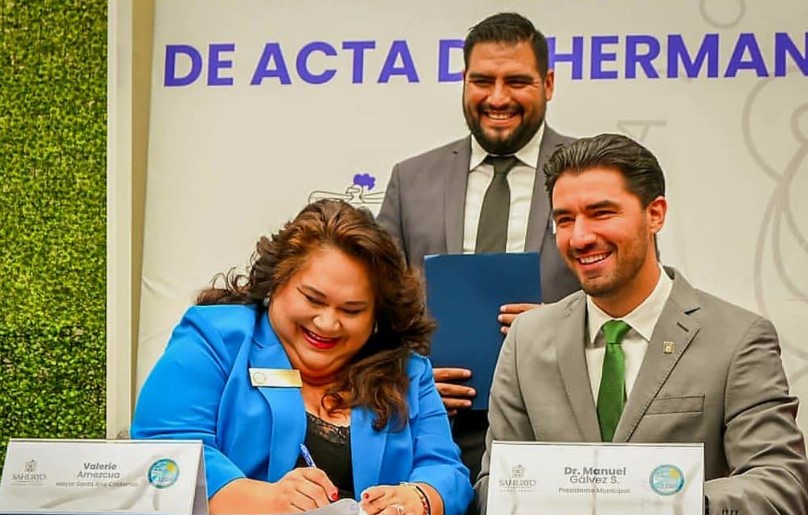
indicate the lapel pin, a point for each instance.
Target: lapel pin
{"x":669,"y":347}
{"x":273,"y":377}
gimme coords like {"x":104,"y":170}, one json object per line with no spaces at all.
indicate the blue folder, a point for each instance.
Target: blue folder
{"x":464,"y":293}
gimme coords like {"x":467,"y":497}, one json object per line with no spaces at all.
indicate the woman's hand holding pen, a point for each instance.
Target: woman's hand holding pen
{"x":306,"y":489}
{"x":300,"y":489}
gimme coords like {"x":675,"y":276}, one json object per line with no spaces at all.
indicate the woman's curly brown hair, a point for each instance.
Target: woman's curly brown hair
{"x":376,"y":377}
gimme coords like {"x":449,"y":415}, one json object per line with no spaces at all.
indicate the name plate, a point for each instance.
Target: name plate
{"x":607,"y":479}
{"x":91,"y":476}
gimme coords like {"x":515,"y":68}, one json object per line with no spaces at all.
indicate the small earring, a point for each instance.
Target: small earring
{"x":265,"y":302}
{"x":375,"y":327}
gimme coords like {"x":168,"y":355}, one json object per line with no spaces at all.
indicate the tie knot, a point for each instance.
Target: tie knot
{"x":615,"y":330}
{"x":502,"y":164}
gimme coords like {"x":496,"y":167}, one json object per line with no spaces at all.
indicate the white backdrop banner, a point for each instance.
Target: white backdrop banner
{"x":259,"y":107}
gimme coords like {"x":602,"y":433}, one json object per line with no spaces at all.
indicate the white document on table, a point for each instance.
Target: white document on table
{"x":341,"y":507}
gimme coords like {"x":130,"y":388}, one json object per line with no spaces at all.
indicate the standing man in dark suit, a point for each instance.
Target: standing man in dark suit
{"x":642,"y":356}
{"x":436,"y":202}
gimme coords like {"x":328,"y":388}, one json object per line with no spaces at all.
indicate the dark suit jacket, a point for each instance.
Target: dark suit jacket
{"x":723,"y":385}
{"x":424,"y":205}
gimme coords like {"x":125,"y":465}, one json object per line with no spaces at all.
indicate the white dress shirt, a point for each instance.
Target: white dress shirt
{"x":642,"y":320}
{"x":520,"y":181}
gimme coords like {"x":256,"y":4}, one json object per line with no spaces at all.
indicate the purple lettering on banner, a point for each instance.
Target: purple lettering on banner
{"x":576,"y":57}
{"x":170,"y":78}
{"x":358,"y":48}
{"x":677,"y":51}
{"x":272,"y":52}
{"x":755,"y":62}
{"x":398,"y":49}
{"x":445,"y":47}
{"x":611,"y":56}
{"x":599,"y":56}
{"x":644,"y":59}
{"x":303,"y":56}
{"x":782,"y":46}
{"x":215,"y":63}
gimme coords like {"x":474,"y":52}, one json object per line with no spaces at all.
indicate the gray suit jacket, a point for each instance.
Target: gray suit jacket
{"x":723,"y":385}
{"x":424,"y":205}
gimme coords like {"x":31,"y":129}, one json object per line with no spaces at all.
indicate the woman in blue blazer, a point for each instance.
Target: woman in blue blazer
{"x":318,"y":347}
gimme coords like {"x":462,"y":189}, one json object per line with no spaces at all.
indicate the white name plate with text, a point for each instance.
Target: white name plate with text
{"x":91,"y":476}
{"x":607,"y":479}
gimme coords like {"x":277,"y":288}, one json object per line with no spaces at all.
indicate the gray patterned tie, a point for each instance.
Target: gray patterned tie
{"x":492,"y":230}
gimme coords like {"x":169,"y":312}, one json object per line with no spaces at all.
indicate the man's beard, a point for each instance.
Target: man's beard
{"x":632,"y":258}
{"x":511,"y":144}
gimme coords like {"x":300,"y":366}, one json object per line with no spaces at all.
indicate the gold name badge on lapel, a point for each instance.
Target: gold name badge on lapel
{"x":275,"y":377}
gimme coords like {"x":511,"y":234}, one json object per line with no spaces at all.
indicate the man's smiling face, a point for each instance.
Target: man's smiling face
{"x":504,"y":95}
{"x":606,"y":236}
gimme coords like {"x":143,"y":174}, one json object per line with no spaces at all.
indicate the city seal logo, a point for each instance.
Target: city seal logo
{"x":29,"y":475}
{"x":518,"y":481}
{"x":667,"y":480}
{"x":163,"y":473}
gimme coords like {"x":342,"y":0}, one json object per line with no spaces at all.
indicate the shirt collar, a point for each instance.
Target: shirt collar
{"x":529,"y":154}
{"x":642,"y":319}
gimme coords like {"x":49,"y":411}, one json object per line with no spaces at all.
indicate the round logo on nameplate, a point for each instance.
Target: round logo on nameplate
{"x":163,"y":473}
{"x":667,"y":480}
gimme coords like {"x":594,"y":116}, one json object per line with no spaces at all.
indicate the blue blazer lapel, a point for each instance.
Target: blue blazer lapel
{"x":371,"y":444}
{"x":288,"y":413}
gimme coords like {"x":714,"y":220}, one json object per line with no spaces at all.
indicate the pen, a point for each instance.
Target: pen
{"x":306,"y":455}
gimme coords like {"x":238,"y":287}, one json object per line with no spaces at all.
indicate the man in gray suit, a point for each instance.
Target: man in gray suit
{"x":434,"y":202}
{"x":690,"y":368}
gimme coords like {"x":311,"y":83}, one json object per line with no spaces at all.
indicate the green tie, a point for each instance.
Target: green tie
{"x":612,"y":392}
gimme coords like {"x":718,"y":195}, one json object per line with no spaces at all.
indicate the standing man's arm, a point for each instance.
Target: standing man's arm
{"x":765,"y":450}
{"x":507,"y":415}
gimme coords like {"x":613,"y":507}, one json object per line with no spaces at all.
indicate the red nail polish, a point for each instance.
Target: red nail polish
{"x":365,"y":496}
{"x":334,"y":496}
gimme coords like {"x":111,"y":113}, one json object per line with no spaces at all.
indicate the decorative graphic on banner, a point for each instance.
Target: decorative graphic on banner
{"x":782,"y":241}
{"x":357,"y":194}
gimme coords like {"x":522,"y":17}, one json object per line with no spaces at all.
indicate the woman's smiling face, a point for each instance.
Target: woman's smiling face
{"x":324,"y":314}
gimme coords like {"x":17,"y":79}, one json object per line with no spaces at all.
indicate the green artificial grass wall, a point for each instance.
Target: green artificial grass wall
{"x":53,"y":62}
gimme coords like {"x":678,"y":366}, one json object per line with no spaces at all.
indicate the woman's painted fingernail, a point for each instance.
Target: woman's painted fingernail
{"x":334,"y":496}
{"x":366,"y":496}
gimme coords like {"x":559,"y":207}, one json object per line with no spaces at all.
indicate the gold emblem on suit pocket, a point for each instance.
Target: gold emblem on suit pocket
{"x":669,"y":347}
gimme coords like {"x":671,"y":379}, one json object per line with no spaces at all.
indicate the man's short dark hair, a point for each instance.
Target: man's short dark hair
{"x":641,"y":170}
{"x":508,"y":28}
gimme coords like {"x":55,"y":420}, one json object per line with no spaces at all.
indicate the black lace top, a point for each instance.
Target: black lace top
{"x":330,"y":448}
